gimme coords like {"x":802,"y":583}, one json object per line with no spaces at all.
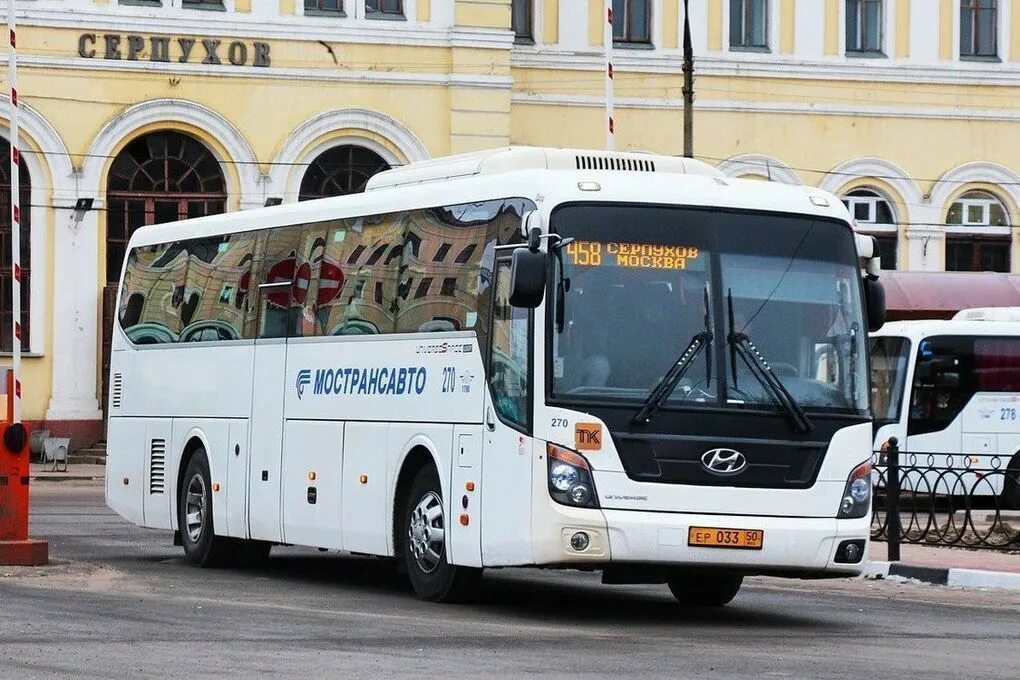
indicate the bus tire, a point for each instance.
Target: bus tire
{"x":202,"y":547}
{"x":1011,"y":485}
{"x":705,"y":590}
{"x":424,"y":531}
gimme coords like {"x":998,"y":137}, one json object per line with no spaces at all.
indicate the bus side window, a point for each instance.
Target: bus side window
{"x":279,"y":263}
{"x":356,"y":292}
{"x":509,"y":358}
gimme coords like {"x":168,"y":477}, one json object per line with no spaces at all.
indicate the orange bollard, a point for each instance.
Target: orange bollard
{"x":16,"y":549}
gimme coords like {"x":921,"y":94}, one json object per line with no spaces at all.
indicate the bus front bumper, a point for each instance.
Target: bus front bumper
{"x":794,"y":546}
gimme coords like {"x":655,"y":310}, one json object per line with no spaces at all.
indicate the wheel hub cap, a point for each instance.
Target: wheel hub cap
{"x":426,"y":532}
{"x":194,"y":508}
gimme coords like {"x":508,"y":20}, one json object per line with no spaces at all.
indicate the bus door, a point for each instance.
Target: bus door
{"x":507,"y":446}
{"x":272,"y":300}
{"x":891,"y":358}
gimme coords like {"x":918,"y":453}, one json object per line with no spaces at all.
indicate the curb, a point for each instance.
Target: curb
{"x":67,"y":478}
{"x":955,"y":577}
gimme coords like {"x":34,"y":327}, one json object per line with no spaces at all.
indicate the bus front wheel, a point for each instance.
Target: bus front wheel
{"x":705,"y":590}
{"x":202,"y":547}
{"x":424,"y":540}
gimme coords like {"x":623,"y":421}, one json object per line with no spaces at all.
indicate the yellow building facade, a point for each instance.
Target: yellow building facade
{"x":142,"y":111}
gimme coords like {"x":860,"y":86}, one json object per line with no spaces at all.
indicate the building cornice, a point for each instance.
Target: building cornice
{"x":28,"y":62}
{"x":129,"y":19}
{"x":802,"y":108}
{"x":772,"y":66}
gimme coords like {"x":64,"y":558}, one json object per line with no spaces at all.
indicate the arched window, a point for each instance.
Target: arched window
{"x":978,"y":234}
{"x":159,"y":177}
{"x":339,"y":171}
{"x":6,"y":280}
{"x":874,"y":216}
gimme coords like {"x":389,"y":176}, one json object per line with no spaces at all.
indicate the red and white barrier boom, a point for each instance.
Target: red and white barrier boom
{"x":15,"y":546}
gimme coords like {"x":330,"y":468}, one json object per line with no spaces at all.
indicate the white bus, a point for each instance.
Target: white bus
{"x":949,"y":391}
{"x":620,"y":362}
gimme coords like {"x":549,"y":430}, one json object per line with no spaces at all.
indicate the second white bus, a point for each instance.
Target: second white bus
{"x":949,"y":391}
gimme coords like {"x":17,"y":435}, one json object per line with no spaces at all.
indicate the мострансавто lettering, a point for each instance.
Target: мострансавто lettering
{"x":395,"y":381}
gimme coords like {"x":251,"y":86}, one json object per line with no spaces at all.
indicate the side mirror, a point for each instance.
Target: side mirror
{"x":527,"y":278}
{"x":874,"y":301}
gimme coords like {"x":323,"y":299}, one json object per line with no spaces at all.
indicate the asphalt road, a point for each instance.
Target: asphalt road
{"x":119,"y":602}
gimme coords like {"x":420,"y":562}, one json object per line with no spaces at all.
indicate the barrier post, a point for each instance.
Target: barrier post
{"x":892,"y":500}
{"x":16,"y":549}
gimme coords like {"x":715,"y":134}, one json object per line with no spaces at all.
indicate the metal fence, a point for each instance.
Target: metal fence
{"x":941,"y":499}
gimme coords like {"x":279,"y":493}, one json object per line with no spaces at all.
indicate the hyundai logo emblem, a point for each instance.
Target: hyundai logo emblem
{"x":723,"y":461}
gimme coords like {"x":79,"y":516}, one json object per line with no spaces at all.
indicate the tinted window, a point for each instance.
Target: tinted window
{"x":277,"y":317}
{"x":438,"y":295}
{"x":889,"y":357}
{"x":509,"y":359}
{"x":343,"y":308}
{"x":951,"y":369}
{"x":153,"y":293}
{"x":365,"y":275}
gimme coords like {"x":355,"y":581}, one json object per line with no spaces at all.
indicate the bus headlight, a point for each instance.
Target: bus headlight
{"x":856,"y":501}
{"x":563,"y":476}
{"x":570,"y":479}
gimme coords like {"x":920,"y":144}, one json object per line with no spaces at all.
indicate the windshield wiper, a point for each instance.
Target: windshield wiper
{"x":741,"y":345}
{"x":665,"y":387}
{"x":660,"y":393}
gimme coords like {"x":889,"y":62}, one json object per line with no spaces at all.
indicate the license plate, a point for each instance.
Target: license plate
{"x":711,"y":537}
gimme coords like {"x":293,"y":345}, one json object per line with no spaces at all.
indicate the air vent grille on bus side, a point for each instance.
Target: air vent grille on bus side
{"x":612,"y":163}
{"x":157,"y":466}
{"x":117,"y":391}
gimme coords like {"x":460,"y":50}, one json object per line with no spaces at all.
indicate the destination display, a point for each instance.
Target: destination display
{"x":640,"y":255}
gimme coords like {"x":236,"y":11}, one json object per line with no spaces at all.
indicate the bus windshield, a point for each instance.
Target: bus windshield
{"x":890,"y":356}
{"x":644,"y":280}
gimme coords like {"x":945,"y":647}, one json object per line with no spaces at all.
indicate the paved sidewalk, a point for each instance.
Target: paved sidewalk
{"x":948,"y":566}
{"x":951,"y":558}
{"x":76,"y":472}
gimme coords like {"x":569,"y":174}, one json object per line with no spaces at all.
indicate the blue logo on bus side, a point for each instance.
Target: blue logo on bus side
{"x":304,"y":377}
{"x":396,"y":380}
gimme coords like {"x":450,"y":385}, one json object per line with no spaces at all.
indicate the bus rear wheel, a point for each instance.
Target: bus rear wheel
{"x":705,"y":590}
{"x":424,"y":541}
{"x":202,"y":547}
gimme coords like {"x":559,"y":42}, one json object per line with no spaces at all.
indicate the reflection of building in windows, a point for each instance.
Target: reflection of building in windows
{"x":441,"y":253}
{"x":200,"y":289}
